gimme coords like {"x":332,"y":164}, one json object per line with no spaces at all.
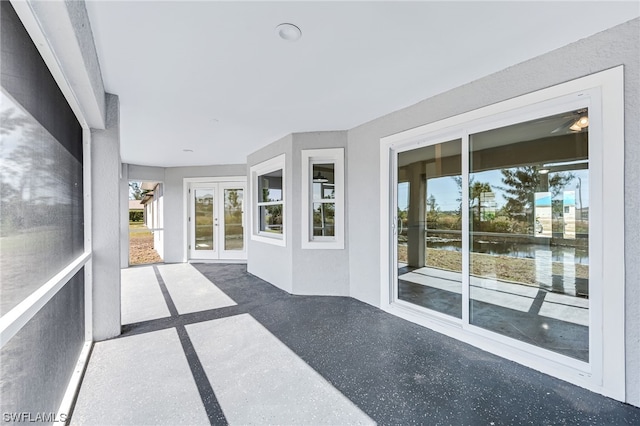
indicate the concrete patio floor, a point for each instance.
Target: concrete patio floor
{"x":212,"y":344}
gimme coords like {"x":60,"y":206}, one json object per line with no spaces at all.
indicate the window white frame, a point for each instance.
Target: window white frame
{"x":268,"y":166}
{"x":603,"y":93}
{"x":310,"y":157}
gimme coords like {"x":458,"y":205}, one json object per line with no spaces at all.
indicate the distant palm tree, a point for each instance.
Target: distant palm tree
{"x":476,"y":189}
{"x":523,"y":182}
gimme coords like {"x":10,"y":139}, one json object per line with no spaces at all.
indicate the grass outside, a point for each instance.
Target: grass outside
{"x":29,"y":258}
{"x":505,"y":268}
{"x":141,"y":249}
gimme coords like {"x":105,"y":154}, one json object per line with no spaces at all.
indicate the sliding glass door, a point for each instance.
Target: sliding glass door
{"x":492,"y":230}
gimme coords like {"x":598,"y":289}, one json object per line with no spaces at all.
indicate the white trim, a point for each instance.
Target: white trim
{"x":438,"y":137}
{"x":613,"y":232}
{"x":215,"y":179}
{"x":29,"y":19}
{"x":16,"y":318}
{"x":74,"y":385}
{"x":388,"y":220}
{"x":315,"y":156}
{"x":212,"y":252}
{"x":466,"y":237}
{"x":88,"y":226}
{"x":605,"y":373}
{"x":275,"y":163}
{"x":227,"y":255}
{"x":241,"y":261}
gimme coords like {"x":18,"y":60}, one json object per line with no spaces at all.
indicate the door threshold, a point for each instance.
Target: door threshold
{"x":217,"y":261}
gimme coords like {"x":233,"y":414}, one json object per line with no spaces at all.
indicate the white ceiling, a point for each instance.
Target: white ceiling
{"x":213,"y":77}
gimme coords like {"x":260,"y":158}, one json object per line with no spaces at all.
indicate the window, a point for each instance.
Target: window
{"x":268,"y":189}
{"x":270,"y":202}
{"x":323,"y":199}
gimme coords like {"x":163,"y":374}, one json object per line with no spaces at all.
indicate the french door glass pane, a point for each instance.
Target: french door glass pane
{"x":233,"y":229}
{"x":429,"y":229}
{"x":204,"y":219}
{"x":529,"y":232}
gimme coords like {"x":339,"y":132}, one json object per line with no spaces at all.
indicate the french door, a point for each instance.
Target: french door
{"x":216,"y":221}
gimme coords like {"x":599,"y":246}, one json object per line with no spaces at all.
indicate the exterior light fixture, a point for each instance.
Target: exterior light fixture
{"x":543,"y":171}
{"x":580,"y":124}
{"x":288,"y":32}
{"x":319,"y":178}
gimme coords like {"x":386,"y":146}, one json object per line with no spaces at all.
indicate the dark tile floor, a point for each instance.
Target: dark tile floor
{"x":398,"y":372}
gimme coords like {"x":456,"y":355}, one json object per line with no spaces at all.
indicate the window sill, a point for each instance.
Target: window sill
{"x":273,"y":239}
{"x":323,"y":245}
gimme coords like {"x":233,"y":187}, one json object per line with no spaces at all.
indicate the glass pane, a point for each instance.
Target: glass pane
{"x":271,"y":218}
{"x":270,"y":186}
{"x":324,"y":220}
{"x":204,"y":219}
{"x":323,"y":189}
{"x":323,"y":181}
{"x":233,"y":230}
{"x":529,"y":221}
{"x":429,"y":233}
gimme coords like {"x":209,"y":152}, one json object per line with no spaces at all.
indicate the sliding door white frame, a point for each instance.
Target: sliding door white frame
{"x":605,"y":373}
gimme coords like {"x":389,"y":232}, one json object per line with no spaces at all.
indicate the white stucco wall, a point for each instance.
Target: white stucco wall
{"x":124,"y":216}
{"x":174,"y":201}
{"x":145,"y":173}
{"x":270,"y":262}
{"x":105,"y":206}
{"x":617,"y":46}
{"x":309,"y":267}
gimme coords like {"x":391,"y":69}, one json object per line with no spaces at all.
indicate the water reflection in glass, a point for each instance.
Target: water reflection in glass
{"x":429,"y":225}
{"x":528,"y":216}
{"x":270,"y":206}
{"x":204,"y":230}
{"x":233,"y":229}
{"x":323,"y":193}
